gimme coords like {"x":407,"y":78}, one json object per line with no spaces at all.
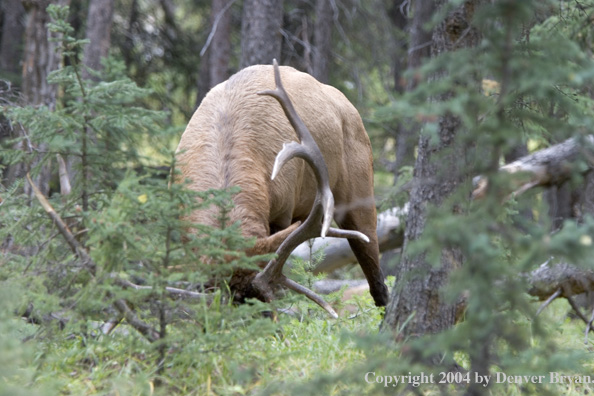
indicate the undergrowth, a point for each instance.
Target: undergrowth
{"x":306,"y":354}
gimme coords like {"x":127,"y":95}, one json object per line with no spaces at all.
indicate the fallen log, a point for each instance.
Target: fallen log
{"x":337,"y":252}
{"x":327,"y":286}
{"x":562,"y":279}
{"x":551,"y":166}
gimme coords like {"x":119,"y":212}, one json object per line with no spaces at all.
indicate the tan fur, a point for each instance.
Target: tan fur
{"x":235,"y":135}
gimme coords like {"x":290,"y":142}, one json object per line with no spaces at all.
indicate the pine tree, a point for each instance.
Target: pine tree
{"x":112,"y":246}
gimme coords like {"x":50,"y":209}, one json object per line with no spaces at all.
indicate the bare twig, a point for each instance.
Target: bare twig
{"x":76,"y":247}
{"x":214,"y":27}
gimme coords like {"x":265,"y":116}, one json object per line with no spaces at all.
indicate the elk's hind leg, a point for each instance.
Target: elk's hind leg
{"x":363,"y":219}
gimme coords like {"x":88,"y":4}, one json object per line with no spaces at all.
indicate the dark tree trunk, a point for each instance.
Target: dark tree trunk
{"x":12,"y":14}
{"x":174,"y":38}
{"x":560,"y":200}
{"x":400,"y":19}
{"x":41,"y":57}
{"x":322,"y":40}
{"x":12,"y":36}
{"x":563,"y":201}
{"x":403,"y":135}
{"x":418,"y":50}
{"x":417,"y":297}
{"x":131,"y":29}
{"x":203,"y":81}
{"x":99,"y":23}
{"x":586,"y":203}
{"x":219,"y":51}
{"x":214,"y":62}
{"x":261,"y":37}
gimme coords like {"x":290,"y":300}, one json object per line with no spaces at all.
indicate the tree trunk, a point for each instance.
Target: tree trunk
{"x":416,"y":298}
{"x":203,"y":80}
{"x":12,"y":14}
{"x":418,"y":50}
{"x":215,"y":56}
{"x":99,"y":22}
{"x":219,"y":51}
{"x":132,"y":27}
{"x":559,"y":199}
{"x":400,"y":19}
{"x":98,"y":32}
{"x":261,"y":37}
{"x":41,"y":57}
{"x":12,"y":36}
{"x":322,"y":40}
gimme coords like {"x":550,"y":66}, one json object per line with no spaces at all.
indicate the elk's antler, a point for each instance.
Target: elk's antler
{"x":320,"y":217}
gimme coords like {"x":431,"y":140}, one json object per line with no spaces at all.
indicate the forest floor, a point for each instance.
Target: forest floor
{"x":302,"y":353}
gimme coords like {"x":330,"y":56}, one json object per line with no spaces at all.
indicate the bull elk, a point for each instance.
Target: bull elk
{"x":233,"y":139}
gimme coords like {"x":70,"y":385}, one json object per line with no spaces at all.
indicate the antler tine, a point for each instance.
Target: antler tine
{"x":322,"y":210}
{"x":288,"y":152}
{"x":351,"y":234}
{"x":283,"y":98}
{"x":311,"y":295}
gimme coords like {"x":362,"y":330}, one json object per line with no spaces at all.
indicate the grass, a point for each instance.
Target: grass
{"x":300,"y":354}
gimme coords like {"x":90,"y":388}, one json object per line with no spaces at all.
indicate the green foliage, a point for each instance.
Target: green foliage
{"x":127,"y":213}
{"x":15,"y":356}
{"x":144,"y":269}
{"x":517,"y":86}
{"x":527,"y":79}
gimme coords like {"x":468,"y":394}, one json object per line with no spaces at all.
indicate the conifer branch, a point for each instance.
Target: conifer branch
{"x":172,"y":291}
{"x":120,"y":304}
